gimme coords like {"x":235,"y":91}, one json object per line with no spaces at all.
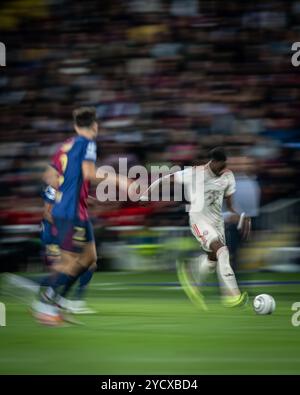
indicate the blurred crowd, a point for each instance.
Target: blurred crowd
{"x":170,"y":79}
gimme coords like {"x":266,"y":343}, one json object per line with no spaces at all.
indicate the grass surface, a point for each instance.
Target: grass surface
{"x":146,"y":325}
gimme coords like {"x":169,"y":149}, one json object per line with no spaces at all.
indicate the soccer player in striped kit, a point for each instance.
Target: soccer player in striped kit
{"x":74,"y":166}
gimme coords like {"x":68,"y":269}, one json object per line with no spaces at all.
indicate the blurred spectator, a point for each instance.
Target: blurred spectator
{"x":170,"y":79}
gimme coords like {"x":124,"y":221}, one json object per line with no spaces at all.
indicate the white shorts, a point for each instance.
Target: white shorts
{"x":206,"y":232}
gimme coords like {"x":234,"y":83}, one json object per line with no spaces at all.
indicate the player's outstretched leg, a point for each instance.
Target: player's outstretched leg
{"x":45,"y":308}
{"x":64,"y":276}
{"x":232,"y":297}
{"x":86,"y":267}
{"x":79,"y":305}
{"x":189,"y":285}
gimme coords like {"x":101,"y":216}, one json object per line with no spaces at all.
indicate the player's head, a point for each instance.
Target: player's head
{"x":218,"y":160}
{"x":85,"y":121}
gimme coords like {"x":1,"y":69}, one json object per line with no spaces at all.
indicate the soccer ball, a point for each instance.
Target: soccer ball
{"x":264,"y":304}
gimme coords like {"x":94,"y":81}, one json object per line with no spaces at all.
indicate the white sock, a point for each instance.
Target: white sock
{"x":206,"y":267}
{"x":225,"y":273}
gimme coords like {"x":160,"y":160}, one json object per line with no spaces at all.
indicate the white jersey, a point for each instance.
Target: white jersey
{"x":209,"y":205}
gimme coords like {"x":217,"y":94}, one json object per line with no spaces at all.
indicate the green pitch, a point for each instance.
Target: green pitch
{"x":146,"y":325}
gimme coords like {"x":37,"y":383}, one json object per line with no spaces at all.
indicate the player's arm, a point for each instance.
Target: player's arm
{"x":47,"y":212}
{"x":242,"y":220}
{"x":146,"y":195}
{"x":89,"y":169}
{"x":89,"y":173}
{"x":49,"y":199}
{"x":51,"y":177}
{"x":229,"y":205}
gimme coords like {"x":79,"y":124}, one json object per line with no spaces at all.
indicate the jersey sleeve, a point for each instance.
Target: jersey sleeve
{"x":90,"y":152}
{"x":231,"y":187}
{"x":55,"y":161}
{"x":49,"y":194}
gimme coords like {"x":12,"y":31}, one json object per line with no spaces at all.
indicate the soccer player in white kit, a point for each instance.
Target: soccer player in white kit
{"x":214,"y":183}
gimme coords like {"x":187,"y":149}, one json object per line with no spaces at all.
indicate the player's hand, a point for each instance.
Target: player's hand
{"x":233,"y":219}
{"x":245,"y":226}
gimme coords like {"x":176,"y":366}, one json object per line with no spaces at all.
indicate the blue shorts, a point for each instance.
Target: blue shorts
{"x":73,"y":235}
{"x":50,"y":242}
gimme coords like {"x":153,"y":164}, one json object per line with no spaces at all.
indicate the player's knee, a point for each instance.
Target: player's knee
{"x":93,"y":267}
{"x":92,"y":259}
{"x":71,"y":270}
{"x":212,"y":256}
{"x":88,"y":261}
{"x":215,"y":246}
